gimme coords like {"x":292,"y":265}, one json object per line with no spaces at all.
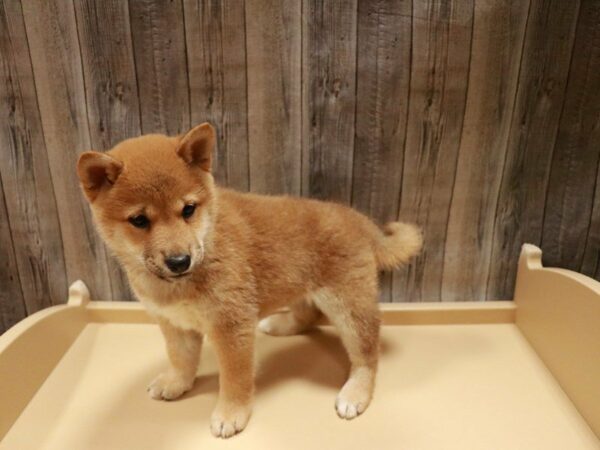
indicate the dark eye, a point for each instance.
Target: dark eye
{"x":139,"y":221}
{"x":188,"y":211}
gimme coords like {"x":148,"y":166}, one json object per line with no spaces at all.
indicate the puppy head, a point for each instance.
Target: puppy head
{"x":152,"y":198}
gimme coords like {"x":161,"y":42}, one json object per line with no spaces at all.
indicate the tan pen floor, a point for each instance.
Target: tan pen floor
{"x":439,"y":387}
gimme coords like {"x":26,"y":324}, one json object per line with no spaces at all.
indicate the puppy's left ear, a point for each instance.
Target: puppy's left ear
{"x":196,"y":146}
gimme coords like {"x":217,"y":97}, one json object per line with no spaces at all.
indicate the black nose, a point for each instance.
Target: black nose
{"x":178,"y":263}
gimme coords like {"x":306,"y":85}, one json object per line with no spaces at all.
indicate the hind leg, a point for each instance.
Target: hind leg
{"x":355,"y":314}
{"x":300,"y":316}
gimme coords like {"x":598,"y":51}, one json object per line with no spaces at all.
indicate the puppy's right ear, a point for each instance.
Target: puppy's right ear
{"x":97,"y":171}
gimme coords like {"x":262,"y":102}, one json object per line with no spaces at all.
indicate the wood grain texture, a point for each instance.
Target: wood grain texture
{"x":12,"y":304}
{"x":273,"y":44}
{"x":329,"y":97}
{"x":543,"y":77}
{"x":577,"y":152}
{"x":55,"y":55}
{"x":498,"y":31}
{"x":157,"y":29}
{"x":28,"y":191}
{"x":478,"y":120}
{"x":438,"y":91}
{"x":591,"y":256}
{"x":113,"y":108}
{"x":216,"y":52}
{"x":382,"y":73}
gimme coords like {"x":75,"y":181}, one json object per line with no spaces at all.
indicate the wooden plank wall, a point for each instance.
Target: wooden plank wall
{"x":477,"y":119}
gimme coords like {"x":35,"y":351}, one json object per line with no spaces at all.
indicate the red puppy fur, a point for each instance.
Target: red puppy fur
{"x":208,"y":260}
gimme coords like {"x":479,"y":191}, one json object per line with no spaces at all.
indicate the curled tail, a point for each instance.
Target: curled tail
{"x":397,"y":244}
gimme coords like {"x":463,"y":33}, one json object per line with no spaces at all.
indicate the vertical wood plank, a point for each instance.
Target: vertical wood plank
{"x":329,"y":97}
{"x":442,"y":33}
{"x":383,"y":79}
{"x":591,"y":255}
{"x":216,"y":53}
{"x":273,"y":45}
{"x":28,"y":191}
{"x":543,"y":77}
{"x":113,"y":108}
{"x":12,"y":306}
{"x":498,"y":31}
{"x":55,"y":55}
{"x":382,"y":87}
{"x":109,"y":71}
{"x":158,"y":34}
{"x":576,"y":153}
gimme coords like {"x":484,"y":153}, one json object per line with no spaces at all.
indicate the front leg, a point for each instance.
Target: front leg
{"x":183,"y":349}
{"x":234,"y":346}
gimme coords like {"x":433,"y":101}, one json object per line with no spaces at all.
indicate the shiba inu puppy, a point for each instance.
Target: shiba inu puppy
{"x":210,"y":261}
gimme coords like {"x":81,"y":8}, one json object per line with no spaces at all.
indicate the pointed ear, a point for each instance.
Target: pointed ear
{"x":196,"y":146}
{"x":97,"y":171}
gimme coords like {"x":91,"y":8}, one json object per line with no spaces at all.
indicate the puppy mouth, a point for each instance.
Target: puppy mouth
{"x":168,"y":276}
{"x":160,"y":273}
{"x":181,"y":275}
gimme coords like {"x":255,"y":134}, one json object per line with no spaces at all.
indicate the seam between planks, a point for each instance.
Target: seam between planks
{"x":458,"y":149}
{"x":12,"y":248}
{"x":560,"y":118}
{"x":89,"y":132}
{"x":44,"y":134}
{"x":518,"y":88}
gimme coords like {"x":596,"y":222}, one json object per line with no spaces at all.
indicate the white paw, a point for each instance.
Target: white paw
{"x":279,"y":324}
{"x":228,"y":421}
{"x":266,"y":325}
{"x":168,"y":386}
{"x":348,"y":410}
{"x":352,"y":400}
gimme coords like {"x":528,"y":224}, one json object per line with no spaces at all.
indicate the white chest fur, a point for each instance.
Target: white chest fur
{"x":184,"y":314}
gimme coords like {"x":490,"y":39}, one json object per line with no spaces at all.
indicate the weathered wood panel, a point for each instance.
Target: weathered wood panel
{"x":157,"y":29}
{"x":478,"y":120}
{"x":113,"y":108}
{"x":273,"y":42}
{"x":587,"y":30}
{"x":382,"y":73}
{"x":591,"y":256}
{"x":28,"y":192}
{"x":329,"y":97}
{"x":498,"y":30}
{"x":55,"y":55}
{"x":544,"y":70}
{"x":12,"y":305}
{"x":216,"y":52}
{"x":577,"y":151}
{"x":438,"y":91}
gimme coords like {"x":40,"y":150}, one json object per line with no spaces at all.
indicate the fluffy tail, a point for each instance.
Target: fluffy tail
{"x":398,"y":243}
